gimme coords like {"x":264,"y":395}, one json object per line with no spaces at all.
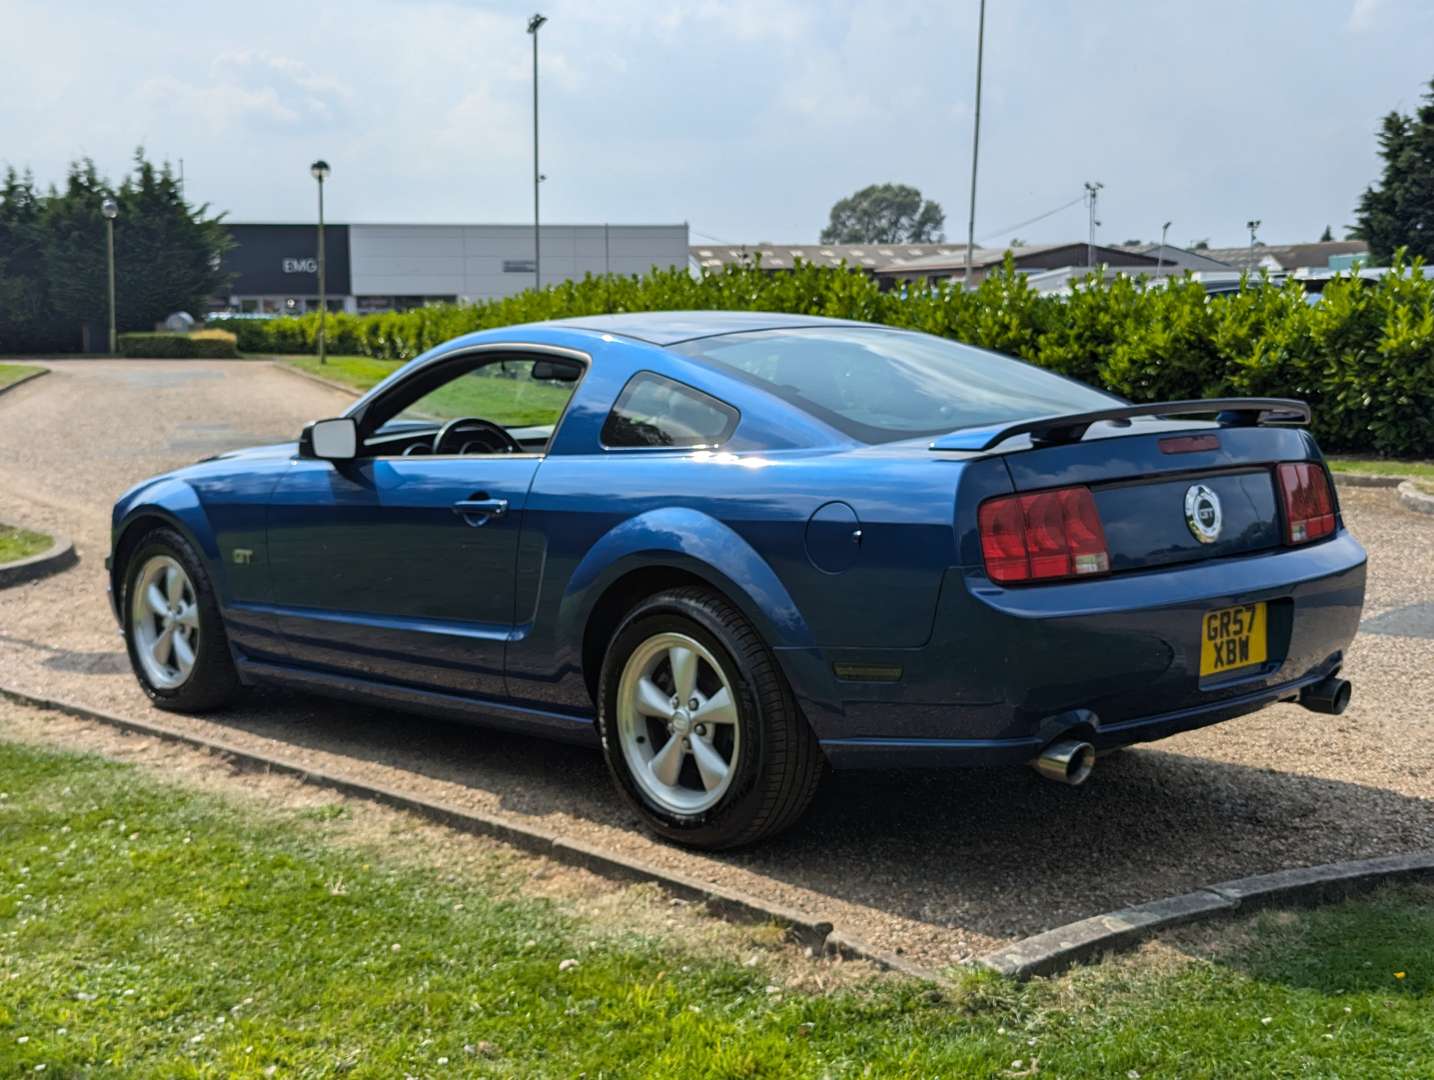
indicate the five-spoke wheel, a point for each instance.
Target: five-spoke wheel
{"x":699,"y":726}
{"x":165,"y":617}
{"x":677,"y":722}
{"x":173,"y":629}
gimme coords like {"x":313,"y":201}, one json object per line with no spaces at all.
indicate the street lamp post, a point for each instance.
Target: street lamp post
{"x":535,"y":23}
{"x":319,"y":170}
{"x":1160,"y":255}
{"x":1252,"y":226}
{"x":975,"y":146}
{"x":110,"y":209}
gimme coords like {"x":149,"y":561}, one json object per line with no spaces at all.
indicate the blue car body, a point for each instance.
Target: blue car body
{"x":860,"y":565}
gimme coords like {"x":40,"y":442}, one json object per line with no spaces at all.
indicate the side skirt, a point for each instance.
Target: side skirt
{"x":496,"y":714}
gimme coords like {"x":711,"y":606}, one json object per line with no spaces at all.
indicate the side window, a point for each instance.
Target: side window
{"x":654,"y":411}
{"x":517,"y":393}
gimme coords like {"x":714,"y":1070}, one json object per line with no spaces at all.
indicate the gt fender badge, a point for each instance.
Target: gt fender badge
{"x":1203,"y":513}
{"x":243,"y":556}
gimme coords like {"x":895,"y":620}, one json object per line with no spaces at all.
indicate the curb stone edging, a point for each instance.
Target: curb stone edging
{"x":23,"y":380}
{"x":1056,"y":950}
{"x":332,"y":384}
{"x":1412,"y":498}
{"x":1047,"y":953}
{"x":1377,"y":480}
{"x":59,"y":556}
{"x":732,"y":905}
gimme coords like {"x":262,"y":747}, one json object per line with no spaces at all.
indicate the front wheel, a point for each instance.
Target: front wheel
{"x":699,"y":728}
{"x":172,"y":627}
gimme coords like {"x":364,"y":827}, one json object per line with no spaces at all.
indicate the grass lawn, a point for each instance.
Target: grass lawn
{"x":1383,"y":467}
{"x":14,"y":372}
{"x":21,"y":543}
{"x":152,"y":930}
{"x":512,"y":402}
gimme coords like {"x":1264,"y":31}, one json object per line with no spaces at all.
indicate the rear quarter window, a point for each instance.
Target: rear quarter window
{"x":653,"y":411}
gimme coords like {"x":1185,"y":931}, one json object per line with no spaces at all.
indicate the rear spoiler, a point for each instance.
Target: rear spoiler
{"x":1049,"y":430}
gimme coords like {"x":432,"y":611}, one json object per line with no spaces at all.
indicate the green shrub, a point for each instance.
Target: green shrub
{"x":200,"y":345}
{"x":1363,"y":357}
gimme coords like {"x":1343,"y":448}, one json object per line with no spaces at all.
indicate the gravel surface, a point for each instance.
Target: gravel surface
{"x":935,"y":866}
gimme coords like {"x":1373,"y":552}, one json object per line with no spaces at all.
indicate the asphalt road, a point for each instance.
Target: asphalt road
{"x":934,"y":865}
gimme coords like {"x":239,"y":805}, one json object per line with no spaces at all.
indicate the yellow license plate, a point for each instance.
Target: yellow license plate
{"x":1232,"y":638}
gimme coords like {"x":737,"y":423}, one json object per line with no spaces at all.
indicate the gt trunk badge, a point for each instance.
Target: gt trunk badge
{"x":1203,"y":513}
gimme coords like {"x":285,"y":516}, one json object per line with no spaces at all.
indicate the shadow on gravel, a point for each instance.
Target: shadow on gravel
{"x":75,"y":661}
{"x":998,"y":852}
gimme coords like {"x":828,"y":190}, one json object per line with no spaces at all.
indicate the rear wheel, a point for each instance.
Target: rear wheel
{"x":176,"y":640}
{"x":700,"y":730}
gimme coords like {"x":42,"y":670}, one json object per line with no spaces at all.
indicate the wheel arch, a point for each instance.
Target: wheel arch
{"x":181,"y":511}
{"x":665,"y":549}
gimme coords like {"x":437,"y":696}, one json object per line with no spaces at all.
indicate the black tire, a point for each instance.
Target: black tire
{"x":212,"y":682}
{"x":780,"y":766}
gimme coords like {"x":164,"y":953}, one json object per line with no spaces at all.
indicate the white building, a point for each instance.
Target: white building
{"x":392,"y":267}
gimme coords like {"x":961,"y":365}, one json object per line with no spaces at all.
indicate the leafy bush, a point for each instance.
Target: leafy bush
{"x":1363,"y":356}
{"x":199,"y":345}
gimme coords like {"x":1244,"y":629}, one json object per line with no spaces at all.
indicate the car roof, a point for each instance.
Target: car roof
{"x":671,"y":327}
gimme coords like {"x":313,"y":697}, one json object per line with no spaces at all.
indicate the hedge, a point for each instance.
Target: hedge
{"x":1363,"y":356}
{"x":200,"y":345}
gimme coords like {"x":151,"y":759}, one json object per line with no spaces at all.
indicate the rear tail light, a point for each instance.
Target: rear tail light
{"x":1040,"y":537}
{"x":1309,"y":506}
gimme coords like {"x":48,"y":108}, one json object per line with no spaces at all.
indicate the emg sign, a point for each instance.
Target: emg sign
{"x":308,"y":265}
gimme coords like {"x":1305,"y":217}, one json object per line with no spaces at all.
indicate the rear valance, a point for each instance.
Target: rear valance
{"x":1047,"y":430}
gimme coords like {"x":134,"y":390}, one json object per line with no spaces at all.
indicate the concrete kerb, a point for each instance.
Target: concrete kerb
{"x":1056,"y":950}
{"x":1411,"y":498}
{"x":729,"y":904}
{"x":1353,"y":479}
{"x":60,"y":555}
{"x":1047,"y":953}
{"x":332,"y":384}
{"x":23,"y":380}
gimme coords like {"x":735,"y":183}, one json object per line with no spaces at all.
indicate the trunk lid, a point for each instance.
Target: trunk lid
{"x":1152,"y":478}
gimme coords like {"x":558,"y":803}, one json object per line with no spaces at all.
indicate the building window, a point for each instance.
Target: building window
{"x":654,"y":411}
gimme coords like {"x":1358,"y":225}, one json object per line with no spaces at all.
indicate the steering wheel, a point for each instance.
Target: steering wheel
{"x":470,"y":434}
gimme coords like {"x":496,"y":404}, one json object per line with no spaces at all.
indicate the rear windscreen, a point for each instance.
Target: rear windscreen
{"x":879,"y":385}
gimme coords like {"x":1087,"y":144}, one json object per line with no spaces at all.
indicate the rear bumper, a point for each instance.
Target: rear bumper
{"x":977,"y":753}
{"x":1007,"y":668}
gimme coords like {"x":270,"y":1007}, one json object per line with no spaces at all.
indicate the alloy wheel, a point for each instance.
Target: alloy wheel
{"x":164,"y":622}
{"x":677,"y":723}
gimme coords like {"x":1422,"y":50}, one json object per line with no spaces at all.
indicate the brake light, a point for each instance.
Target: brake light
{"x":1309,"y":506}
{"x":1040,"y":537}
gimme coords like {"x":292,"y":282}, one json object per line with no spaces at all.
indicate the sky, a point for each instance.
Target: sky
{"x":745,"y":118}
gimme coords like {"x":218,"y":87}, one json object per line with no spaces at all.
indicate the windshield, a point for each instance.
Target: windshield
{"x":880,"y":385}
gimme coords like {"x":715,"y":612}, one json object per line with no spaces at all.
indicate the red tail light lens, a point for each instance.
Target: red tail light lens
{"x":1040,"y":537}
{"x":1309,"y":506}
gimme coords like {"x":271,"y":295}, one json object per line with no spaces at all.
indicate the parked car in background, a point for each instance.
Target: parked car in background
{"x":736,"y":549}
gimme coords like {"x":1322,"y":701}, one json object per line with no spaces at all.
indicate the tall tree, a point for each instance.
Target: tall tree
{"x":53,"y":277}
{"x":1400,"y":212}
{"x":885,"y":214}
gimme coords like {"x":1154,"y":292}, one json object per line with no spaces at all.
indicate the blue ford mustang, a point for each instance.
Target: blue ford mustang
{"x":736,"y":549}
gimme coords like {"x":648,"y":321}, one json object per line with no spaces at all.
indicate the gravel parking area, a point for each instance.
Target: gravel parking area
{"x":936,"y":866}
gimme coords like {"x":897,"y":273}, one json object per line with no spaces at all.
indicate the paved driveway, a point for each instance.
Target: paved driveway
{"x":935,"y":865}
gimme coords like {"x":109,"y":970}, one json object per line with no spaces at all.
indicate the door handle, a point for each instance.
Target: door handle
{"x":477,"y":510}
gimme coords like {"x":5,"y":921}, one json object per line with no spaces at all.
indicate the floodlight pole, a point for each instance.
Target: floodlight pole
{"x":535,"y":23}
{"x":1160,"y":254}
{"x":975,"y":145}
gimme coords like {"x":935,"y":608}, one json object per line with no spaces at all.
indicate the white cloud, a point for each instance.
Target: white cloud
{"x":1362,"y":14}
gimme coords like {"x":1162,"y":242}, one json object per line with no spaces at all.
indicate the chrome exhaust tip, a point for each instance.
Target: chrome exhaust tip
{"x":1329,"y":695}
{"x":1066,"y":761}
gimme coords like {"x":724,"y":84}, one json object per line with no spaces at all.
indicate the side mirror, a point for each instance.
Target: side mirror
{"x":332,"y":440}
